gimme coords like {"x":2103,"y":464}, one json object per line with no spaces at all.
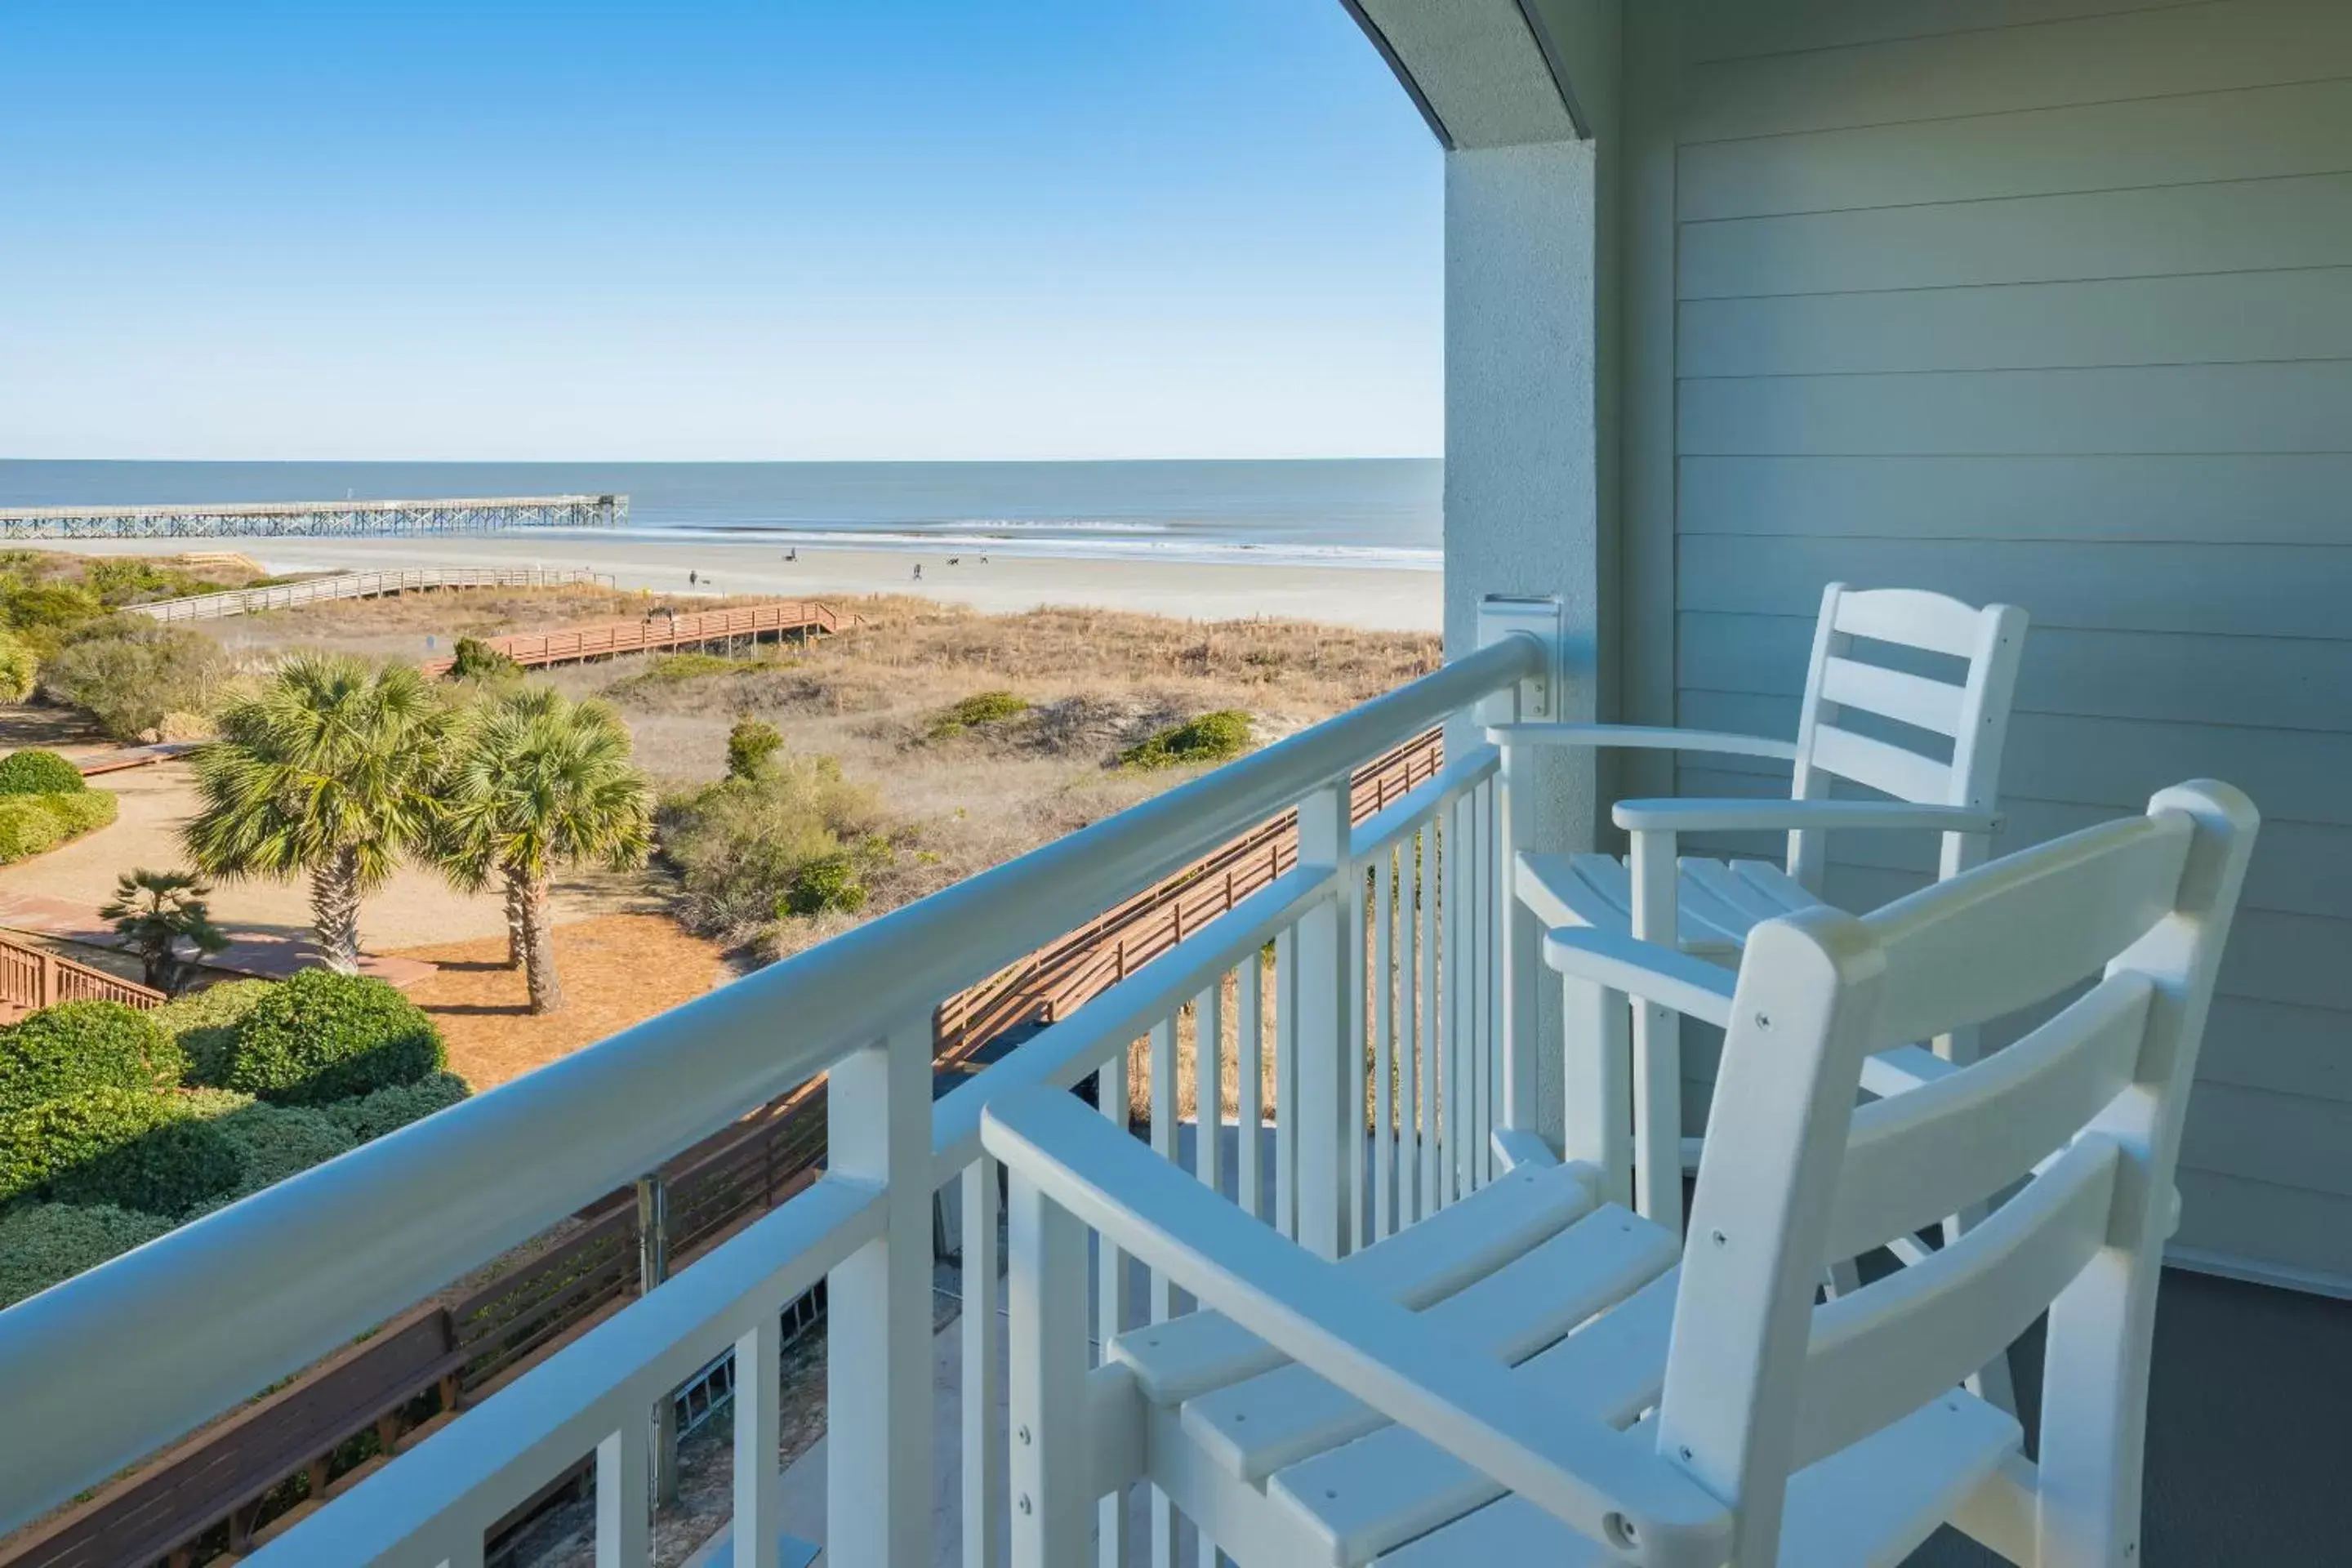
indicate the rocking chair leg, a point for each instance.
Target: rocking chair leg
{"x":1598,"y":1083}
{"x":1053,"y":1508}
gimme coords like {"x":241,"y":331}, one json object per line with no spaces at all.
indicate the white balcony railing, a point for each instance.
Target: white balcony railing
{"x":1381,"y":1008}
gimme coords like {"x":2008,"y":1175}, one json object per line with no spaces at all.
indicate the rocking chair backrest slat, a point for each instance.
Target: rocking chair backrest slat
{"x":2026,"y":928}
{"x":1973,"y":713}
{"x":1758,"y":1383}
{"x":1936,"y":1150}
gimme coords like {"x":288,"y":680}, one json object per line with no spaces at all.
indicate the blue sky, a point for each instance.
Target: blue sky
{"x":802,"y":228}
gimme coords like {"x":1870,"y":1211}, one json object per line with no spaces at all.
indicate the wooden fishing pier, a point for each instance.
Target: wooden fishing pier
{"x":315,"y":520}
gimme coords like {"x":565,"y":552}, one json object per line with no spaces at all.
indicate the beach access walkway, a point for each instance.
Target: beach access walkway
{"x":664,"y":631}
{"x":363,"y":585}
{"x":265,"y":955}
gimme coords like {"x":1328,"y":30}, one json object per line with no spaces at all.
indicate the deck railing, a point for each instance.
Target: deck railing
{"x":32,"y":978}
{"x":1382,"y":1095}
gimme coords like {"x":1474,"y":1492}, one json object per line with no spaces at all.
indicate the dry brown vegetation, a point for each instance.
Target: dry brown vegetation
{"x":961,"y":800}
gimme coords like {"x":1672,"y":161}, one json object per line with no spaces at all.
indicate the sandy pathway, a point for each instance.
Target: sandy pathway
{"x":417,"y":908}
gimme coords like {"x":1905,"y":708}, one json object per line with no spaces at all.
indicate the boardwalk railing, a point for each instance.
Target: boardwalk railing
{"x":362,"y":585}
{"x":33,"y":977}
{"x":661,"y":632}
{"x":111,"y":1364}
{"x":314,"y":520}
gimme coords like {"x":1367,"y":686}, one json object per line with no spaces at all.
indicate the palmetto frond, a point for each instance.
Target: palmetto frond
{"x":537,"y":782}
{"x":335,"y":758}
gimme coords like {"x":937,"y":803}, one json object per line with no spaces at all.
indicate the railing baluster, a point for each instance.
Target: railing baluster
{"x":1110,"y":1312}
{"x":1286,"y":1082}
{"x":1482,"y":988}
{"x":1383,"y":1044}
{"x":1208,"y":1083}
{"x":1249,"y":1067}
{"x":983,"y":1373}
{"x":878,"y":1341}
{"x":1330,"y":1069}
{"x":758,"y":1429}
{"x":1163,"y":1289}
{"x":1355,"y":1067}
{"x":625,"y":1496}
{"x":1457,"y":1053}
{"x":1429,"y":1198}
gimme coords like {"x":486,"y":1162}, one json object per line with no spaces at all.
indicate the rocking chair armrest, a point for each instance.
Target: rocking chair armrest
{"x":1641,"y":737}
{"x":1689,"y":985}
{"x":1599,"y":1481}
{"x":1734,"y":815}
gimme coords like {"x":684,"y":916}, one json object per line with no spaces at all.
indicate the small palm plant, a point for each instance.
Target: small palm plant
{"x":536,"y":782}
{"x":153,"y":912}
{"x":329,"y":774}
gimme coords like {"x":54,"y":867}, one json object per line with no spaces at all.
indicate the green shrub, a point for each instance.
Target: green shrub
{"x":36,"y":772}
{"x":980,"y":708}
{"x":827,"y":883}
{"x":43,"y":1245}
{"x":82,"y":811}
{"x":76,"y":1047}
{"x":128,"y":671}
{"x":42,"y":612}
{"x":204,"y":1024}
{"x":749,"y":745}
{"x":741,"y":845}
{"x":26,"y":826}
{"x":1212,"y":738}
{"x":389,"y":1110}
{"x":322,"y":1035}
{"x":478,"y":660}
{"x":274,"y":1141}
{"x":20,"y":668}
{"x":137,"y":1149}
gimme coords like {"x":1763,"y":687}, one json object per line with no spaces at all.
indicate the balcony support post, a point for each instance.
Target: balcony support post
{"x":653,"y":1268}
{"x":1523,"y":1045}
{"x":1330,"y":1076}
{"x":878,"y":1346}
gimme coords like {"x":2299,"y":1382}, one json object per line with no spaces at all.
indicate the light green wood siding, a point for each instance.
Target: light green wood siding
{"x":2050,"y":301}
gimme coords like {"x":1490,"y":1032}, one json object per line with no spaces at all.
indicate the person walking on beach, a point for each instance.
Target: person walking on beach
{"x":691,"y":579}
{"x":918,"y":571}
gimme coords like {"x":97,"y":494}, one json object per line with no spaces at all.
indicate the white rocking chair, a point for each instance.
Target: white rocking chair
{"x":1708,"y":906}
{"x":1459,"y":1392}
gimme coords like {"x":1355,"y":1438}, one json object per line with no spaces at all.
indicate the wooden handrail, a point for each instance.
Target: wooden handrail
{"x":33,"y":978}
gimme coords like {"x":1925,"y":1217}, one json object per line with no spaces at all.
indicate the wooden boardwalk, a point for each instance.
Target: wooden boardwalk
{"x":662,"y":632}
{"x":362,"y":585}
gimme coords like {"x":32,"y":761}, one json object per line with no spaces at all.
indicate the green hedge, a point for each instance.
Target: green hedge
{"x":204,"y":1023}
{"x":76,"y":1047}
{"x":135,"y":1149}
{"x":389,"y":1110}
{"x":322,"y":1035}
{"x":41,"y":1244}
{"x":30,"y":823}
{"x":274,"y":1141}
{"x":36,"y":772}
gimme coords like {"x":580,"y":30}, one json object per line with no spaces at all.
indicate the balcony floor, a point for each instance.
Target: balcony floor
{"x":2250,"y":1430}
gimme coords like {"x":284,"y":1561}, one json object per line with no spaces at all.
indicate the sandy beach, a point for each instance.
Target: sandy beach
{"x":1376,"y":598}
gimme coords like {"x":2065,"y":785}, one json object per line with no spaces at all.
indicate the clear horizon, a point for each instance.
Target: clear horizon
{"x":910,"y":231}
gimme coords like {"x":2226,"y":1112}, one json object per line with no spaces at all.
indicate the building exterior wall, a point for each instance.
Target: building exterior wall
{"x":2047,"y":301}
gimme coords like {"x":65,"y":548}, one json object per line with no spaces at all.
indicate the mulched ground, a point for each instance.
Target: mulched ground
{"x":617,"y":970}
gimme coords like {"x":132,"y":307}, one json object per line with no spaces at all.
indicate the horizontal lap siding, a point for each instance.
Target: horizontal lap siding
{"x":2050,"y":301}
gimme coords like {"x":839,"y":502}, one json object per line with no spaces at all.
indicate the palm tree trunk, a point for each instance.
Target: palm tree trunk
{"x":335,"y":910}
{"x":538,"y":947}
{"x":518,"y":925}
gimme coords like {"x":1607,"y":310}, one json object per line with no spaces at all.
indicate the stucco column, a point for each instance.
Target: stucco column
{"x":1528,"y":468}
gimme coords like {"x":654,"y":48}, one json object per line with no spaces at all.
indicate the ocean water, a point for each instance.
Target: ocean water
{"x":1368,"y":512}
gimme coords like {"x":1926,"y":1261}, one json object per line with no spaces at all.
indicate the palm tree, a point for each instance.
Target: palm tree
{"x":537,"y":781}
{"x":329,"y":774}
{"x":153,"y":912}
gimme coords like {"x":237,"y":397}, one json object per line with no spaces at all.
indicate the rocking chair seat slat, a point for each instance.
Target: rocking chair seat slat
{"x":1191,"y":1355}
{"x":1869,"y":1506}
{"x":1290,"y":1413}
